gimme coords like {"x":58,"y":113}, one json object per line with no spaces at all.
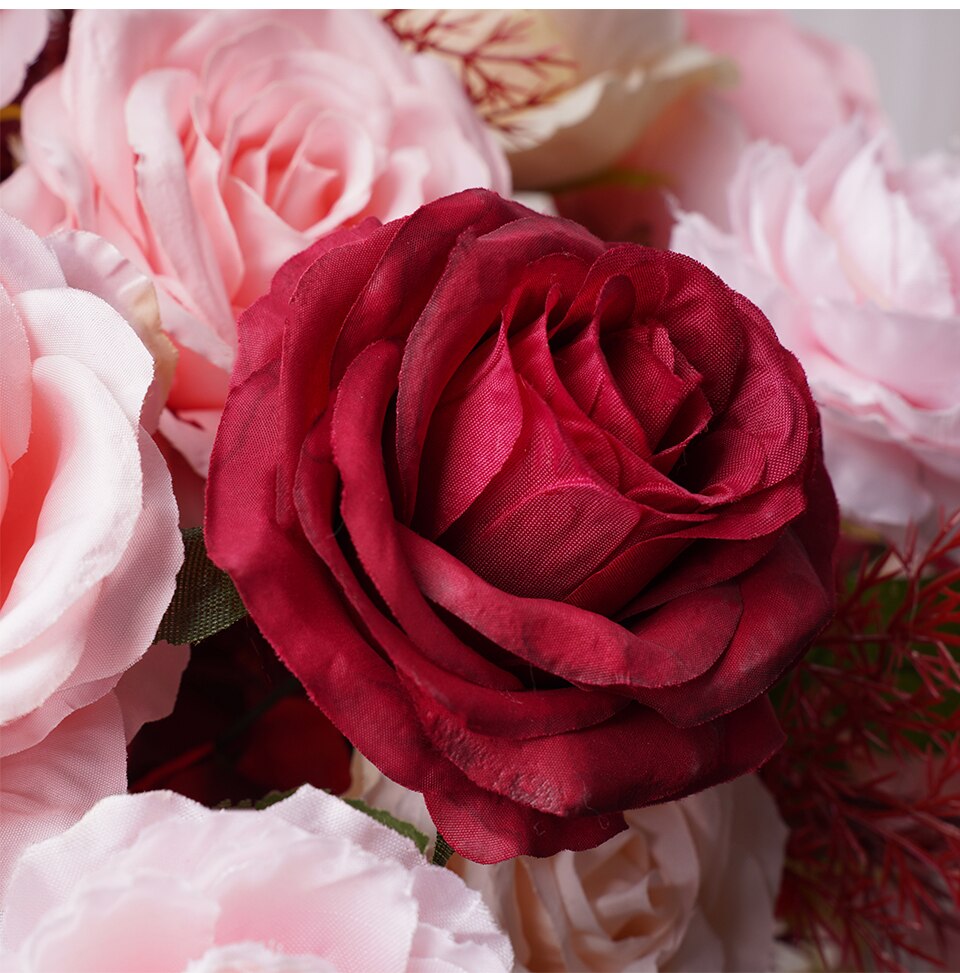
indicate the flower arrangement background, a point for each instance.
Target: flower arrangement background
{"x":517,"y":534}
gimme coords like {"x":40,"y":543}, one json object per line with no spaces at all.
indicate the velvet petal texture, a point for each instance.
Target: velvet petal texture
{"x":536,"y":520}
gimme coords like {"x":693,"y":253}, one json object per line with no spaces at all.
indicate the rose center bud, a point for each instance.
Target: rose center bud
{"x":556,"y":461}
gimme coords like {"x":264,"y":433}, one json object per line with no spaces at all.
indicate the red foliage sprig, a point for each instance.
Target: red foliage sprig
{"x":500,"y":65}
{"x":869,"y":781}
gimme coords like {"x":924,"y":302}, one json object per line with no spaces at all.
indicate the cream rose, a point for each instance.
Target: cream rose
{"x":689,"y":886}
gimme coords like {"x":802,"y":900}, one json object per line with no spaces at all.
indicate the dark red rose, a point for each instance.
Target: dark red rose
{"x":229,"y":735}
{"x":536,"y":520}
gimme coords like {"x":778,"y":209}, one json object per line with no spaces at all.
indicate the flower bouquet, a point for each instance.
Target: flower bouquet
{"x":481,"y":491}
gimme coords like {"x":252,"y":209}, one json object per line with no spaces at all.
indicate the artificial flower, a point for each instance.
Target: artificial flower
{"x":857,"y":265}
{"x":792,"y":88}
{"x":22,"y":36}
{"x":209,"y":147}
{"x":568,"y":91}
{"x":689,"y":886}
{"x":47,"y":787}
{"x":90,"y":542}
{"x":536,"y":520}
{"x":309,"y":885}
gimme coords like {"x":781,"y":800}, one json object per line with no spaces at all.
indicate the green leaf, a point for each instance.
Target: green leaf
{"x":385,"y":817}
{"x":205,"y":601}
{"x":261,"y":804}
{"x":441,"y":851}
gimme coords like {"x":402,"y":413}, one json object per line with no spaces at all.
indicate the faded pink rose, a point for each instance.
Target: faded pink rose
{"x":857,"y":266}
{"x":90,"y":545}
{"x":210,"y":147}
{"x":156,"y":882}
{"x":22,"y":36}
{"x":689,"y":886}
{"x":793,"y":88}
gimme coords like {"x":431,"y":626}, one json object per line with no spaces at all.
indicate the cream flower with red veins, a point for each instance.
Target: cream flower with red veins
{"x":212,"y":146}
{"x":569,"y":90}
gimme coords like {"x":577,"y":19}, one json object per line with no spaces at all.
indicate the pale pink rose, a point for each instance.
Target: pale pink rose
{"x":690,"y":885}
{"x":155,"y":882}
{"x":858,"y":269}
{"x":46,"y":787}
{"x":211,"y":146}
{"x":90,"y":545}
{"x":793,"y":88}
{"x":22,"y":36}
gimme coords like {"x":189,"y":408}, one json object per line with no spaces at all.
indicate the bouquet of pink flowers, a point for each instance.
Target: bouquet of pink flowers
{"x":480,"y":491}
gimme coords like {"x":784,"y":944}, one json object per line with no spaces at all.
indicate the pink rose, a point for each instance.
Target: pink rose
{"x":22,"y":36}
{"x":155,"y":881}
{"x":857,"y":266}
{"x":211,"y":146}
{"x":49,"y":786}
{"x":90,"y":542}
{"x":793,"y":88}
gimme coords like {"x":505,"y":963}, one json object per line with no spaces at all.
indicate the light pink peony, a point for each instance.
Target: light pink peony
{"x":22,"y":36}
{"x":858,"y":268}
{"x":211,"y":146}
{"x":90,"y":546}
{"x":154,"y":882}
